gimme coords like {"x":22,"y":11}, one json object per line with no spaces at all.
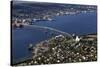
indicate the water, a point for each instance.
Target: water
{"x":78,"y":24}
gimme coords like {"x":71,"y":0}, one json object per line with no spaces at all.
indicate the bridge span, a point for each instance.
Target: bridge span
{"x":52,"y":29}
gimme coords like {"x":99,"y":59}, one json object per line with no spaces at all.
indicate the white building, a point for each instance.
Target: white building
{"x":77,"y":39}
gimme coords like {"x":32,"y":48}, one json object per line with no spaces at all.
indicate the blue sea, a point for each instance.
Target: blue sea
{"x":79,"y":24}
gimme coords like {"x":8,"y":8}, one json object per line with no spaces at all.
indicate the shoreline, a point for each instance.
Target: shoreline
{"x":30,"y":58}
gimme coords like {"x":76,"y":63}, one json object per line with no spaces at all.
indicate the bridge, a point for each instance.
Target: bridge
{"x":52,"y":29}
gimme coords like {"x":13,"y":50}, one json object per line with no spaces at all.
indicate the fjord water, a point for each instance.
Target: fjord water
{"x":79,"y":24}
